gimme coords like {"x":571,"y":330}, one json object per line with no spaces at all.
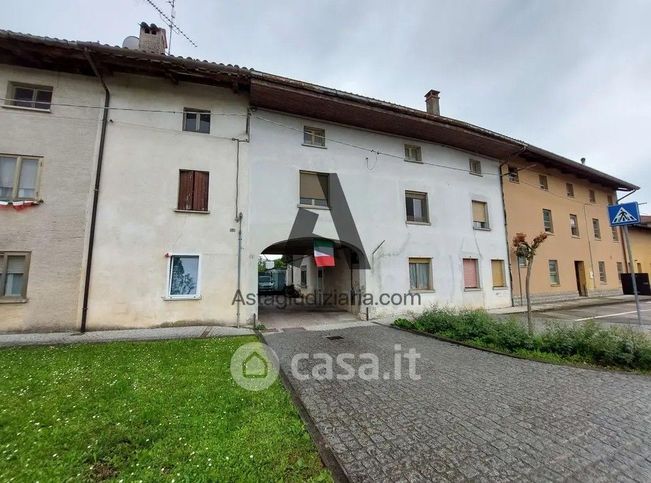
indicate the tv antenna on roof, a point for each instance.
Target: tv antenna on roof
{"x":170,"y":21}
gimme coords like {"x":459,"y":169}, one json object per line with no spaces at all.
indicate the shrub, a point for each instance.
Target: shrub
{"x":587,"y":342}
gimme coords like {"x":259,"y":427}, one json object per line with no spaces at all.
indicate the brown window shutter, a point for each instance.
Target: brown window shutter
{"x":200,"y":202}
{"x":186,"y":188}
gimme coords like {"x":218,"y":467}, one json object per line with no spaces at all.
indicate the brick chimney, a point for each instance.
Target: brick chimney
{"x":432,"y":102}
{"x":152,"y":39}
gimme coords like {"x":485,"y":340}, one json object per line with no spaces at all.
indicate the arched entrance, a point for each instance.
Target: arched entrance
{"x":313,"y":295}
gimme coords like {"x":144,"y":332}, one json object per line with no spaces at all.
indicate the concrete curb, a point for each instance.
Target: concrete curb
{"x":569,"y":306}
{"x":328,"y":458}
{"x":523,"y":358}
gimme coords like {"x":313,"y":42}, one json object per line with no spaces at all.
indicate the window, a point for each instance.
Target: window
{"x":313,"y":136}
{"x":542,"y":181}
{"x":639,"y":267}
{"x":314,"y":189}
{"x":514,"y":176}
{"x":420,"y":274}
{"x":497,"y":266}
{"x":480,"y":215}
{"x":416,"y":207}
{"x":470,"y":273}
{"x":196,"y":120}
{"x":303,"y":276}
{"x":569,"y":189}
{"x":574,"y":225}
{"x":615,"y":233}
{"x":183,"y":276}
{"x":547,"y":221}
{"x":14,"y":267}
{"x":475,"y":167}
{"x":19,"y":177}
{"x":193,"y":190}
{"x":602,"y":272}
{"x":592,"y":196}
{"x":413,"y":153}
{"x":610,"y":199}
{"x":34,"y":97}
{"x":596,"y":228}
{"x":553,"y":272}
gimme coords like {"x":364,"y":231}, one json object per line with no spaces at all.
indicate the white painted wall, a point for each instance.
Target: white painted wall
{"x":375,"y":189}
{"x":137,"y":222}
{"x":56,"y":231}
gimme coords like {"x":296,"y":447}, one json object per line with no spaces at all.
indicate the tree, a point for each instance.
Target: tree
{"x":527,"y":251}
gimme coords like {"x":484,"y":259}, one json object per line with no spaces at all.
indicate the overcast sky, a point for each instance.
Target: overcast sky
{"x":570,"y":76}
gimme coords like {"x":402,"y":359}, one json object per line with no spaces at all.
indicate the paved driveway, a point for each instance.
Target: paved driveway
{"x":473,"y":415}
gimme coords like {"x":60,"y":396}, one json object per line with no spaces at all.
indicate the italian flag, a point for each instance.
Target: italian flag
{"x":324,"y":253}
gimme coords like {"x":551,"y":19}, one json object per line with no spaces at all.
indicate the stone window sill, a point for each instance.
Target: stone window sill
{"x":410,"y":222}
{"x":313,"y":146}
{"x":168,"y":298}
{"x":313,"y":207}
{"x":13,"y":300}
{"x":207,"y":212}
{"x":22,"y":108}
{"x":472,"y":289}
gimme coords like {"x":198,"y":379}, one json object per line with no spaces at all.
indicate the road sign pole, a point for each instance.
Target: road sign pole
{"x":632,"y":270}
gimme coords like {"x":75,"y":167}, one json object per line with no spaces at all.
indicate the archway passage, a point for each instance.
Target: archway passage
{"x":313,"y":295}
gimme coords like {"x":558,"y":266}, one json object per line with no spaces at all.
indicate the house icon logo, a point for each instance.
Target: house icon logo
{"x":254,"y":366}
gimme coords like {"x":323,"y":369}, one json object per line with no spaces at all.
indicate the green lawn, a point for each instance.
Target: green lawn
{"x":150,"y":411}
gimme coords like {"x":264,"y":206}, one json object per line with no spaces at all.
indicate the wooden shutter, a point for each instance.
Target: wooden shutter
{"x":498,"y":273}
{"x":470,"y":273}
{"x":200,"y":198}
{"x":478,"y":211}
{"x":186,"y":187}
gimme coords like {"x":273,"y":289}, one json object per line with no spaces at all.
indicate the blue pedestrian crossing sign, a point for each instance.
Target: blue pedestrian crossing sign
{"x":624,"y":214}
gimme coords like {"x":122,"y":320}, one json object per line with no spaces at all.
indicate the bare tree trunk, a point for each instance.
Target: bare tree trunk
{"x":529,"y":321}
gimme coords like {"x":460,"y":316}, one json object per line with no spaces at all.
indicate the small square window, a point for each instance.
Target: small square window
{"x":31,"y":96}
{"x":413,"y":153}
{"x":514,"y":175}
{"x":548,"y":223}
{"x":183,"y":276}
{"x":314,"y":189}
{"x":416,"y":204}
{"x":420,"y":274}
{"x":553,"y":272}
{"x":475,"y":167}
{"x":314,"y":136}
{"x":196,"y":120}
{"x":542,"y":181}
{"x":569,"y":189}
{"x":592,"y":196}
{"x":470,"y":273}
{"x":14,"y":268}
{"x":480,"y":215}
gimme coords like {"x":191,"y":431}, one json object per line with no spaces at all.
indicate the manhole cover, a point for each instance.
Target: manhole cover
{"x":334,"y":337}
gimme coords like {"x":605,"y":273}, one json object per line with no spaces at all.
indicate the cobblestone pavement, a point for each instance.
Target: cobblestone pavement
{"x":472,"y":415}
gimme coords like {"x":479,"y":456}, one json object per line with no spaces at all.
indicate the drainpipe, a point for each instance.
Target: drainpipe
{"x":98,"y":174}
{"x":238,"y":213}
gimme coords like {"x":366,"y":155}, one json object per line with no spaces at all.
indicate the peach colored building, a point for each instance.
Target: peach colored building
{"x":582,"y":255}
{"x":640,"y":236}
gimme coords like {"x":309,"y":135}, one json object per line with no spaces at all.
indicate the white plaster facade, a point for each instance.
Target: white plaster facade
{"x":55,"y":232}
{"x":374,"y":187}
{"x":137,"y":221}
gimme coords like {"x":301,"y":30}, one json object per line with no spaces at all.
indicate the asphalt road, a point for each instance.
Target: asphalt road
{"x":620,"y":315}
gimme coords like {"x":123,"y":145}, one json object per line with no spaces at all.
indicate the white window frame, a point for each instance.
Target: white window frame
{"x":195,"y":296}
{"x":476,"y":224}
{"x":416,"y":151}
{"x":474,"y":163}
{"x":197,"y":125}
{"x":11,"y":96}
{"x":314,"y":135}
{"x":19,"y":165}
